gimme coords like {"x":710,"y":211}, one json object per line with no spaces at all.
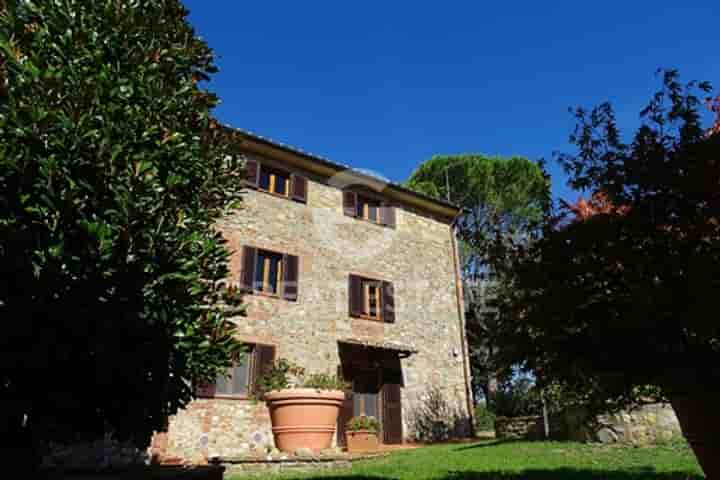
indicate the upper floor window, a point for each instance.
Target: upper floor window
{"x":367,"y":207}
{"x":240,"y":380}
{"x":269,"y":273}
{"x":371,"y":299}
{"x":276,"y":181}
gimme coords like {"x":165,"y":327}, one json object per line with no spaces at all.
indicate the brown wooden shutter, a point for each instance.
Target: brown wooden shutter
{"x":346,"y":413}
{"x":247,"y":274}
{"x":392,"y":413}
{"x":205,"y":390}
{"x":252,"y":171}
{"x":387,"y":215}
{"x":263,"y":359}
{"x":298,"y":188}
{"x":350,"y":203}
{"x":290,"y":277}
{"x":355,"y":295}
{"x":388,"y":302}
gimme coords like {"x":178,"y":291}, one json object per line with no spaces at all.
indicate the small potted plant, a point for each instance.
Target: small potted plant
{"x":303,"y":408}
{"x":362,"y":434}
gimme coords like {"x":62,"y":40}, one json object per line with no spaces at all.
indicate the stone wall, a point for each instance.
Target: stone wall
{"x":102,"y":454}
{"x":645,"y":425}
{"x":519,"y":428}
{"x":416,"y":256}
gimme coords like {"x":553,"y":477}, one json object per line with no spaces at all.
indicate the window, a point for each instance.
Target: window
{"x":237,"y":381}
{"x":240,"y":380}
{"x":366,"y":394}
{"x":371,"y":299}
{"x":274,"y":181}
{"x":268,"y":272}
{"x":368,"y":209}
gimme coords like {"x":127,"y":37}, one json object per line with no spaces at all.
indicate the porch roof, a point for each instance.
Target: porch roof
{"x":404,"y":350}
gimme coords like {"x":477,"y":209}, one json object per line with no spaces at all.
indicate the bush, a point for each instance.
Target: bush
{"x":484,"y":418}
{"x":517,"y":398}
{"x":363,"y":422}
{"x":286,"y":374}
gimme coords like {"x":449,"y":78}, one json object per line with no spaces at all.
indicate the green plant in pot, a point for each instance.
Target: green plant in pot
{"x":303,"y":407}
{"x":361,"y":433}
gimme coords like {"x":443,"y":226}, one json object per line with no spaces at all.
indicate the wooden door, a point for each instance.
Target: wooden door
{"x":392,"y":413}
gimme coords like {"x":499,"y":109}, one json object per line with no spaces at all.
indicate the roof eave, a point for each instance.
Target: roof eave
{"x":325,"y":167}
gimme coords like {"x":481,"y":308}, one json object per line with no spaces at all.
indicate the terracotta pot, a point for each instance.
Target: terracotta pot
{"x":362,"y":441}
{"x":304,"y":417}
{"x":700,"y":422}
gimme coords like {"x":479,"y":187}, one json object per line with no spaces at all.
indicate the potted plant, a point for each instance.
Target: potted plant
{"x":361,"y":434}
{"x":303,"y":408}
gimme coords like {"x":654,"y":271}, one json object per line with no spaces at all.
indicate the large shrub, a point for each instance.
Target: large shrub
{"x":112,"y":174}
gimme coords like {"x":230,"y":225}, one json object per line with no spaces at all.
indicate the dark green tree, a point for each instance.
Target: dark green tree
{"x":499,"y":197}
{"x":620,"y":299}
{"x":112,"y":175}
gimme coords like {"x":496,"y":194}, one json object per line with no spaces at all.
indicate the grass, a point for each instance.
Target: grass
{"x":524,"y":461}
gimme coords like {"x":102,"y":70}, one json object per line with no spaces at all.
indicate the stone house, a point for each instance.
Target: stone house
{"x":343,"y":272}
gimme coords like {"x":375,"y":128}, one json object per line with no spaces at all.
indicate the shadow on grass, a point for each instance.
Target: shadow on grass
{"x":485,"y":444}
{"x":575,"y":474}
{"x":554,"y":474}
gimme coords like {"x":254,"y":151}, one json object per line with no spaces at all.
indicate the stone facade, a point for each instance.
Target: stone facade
{"x":417,"y":256}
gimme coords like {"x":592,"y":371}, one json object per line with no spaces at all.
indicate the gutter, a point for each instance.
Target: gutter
{"x":461,"y":325}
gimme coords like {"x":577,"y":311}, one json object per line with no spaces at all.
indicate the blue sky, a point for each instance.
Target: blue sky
{"x":385,"y":85}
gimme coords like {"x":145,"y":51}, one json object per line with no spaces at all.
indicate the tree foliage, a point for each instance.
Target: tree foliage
{"x":112,"y":174}
{"x":614,"y":303}
{"x":499,"y":197}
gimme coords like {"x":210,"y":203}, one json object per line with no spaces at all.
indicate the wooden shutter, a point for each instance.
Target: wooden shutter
{"x":387,"y":215}
{"x":350,"y":203}
{"x":290,"y":277}
{"x":298,"y":188}
{"x":252,"y":171}
{"x":355,"y":295}
{"x":263,"y":359}
{"x":388,"y":302}
{"x":346,"y":413}
{"x":392,"y":413}
{"x":205,"y":390}
{"x":346,"y":408}
{"x":247,"y":274}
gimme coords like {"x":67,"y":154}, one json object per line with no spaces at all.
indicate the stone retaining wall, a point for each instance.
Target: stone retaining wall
{"x":645,"y":425}
{"x":519,"y":428}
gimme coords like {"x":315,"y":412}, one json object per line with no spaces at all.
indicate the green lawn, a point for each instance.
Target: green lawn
{"x":527,"y":461}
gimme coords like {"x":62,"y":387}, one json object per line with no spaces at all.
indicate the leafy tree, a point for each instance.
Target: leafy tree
{"x":619,"y":303}
{"x":499,"y":197}
{"x":112,"y":174}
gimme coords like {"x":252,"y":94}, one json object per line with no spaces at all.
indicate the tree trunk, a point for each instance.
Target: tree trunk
{"x":700,"y":422}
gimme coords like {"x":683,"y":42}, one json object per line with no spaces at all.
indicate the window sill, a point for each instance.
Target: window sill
{"x":260,"y":293}
{"x":277,"y":195}
{"x":229,"y":397}
{"x":370,"y":319}
{"x":371,"y":222}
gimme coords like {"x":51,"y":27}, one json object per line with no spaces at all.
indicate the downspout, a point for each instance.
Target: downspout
{"x":461,"y":325}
